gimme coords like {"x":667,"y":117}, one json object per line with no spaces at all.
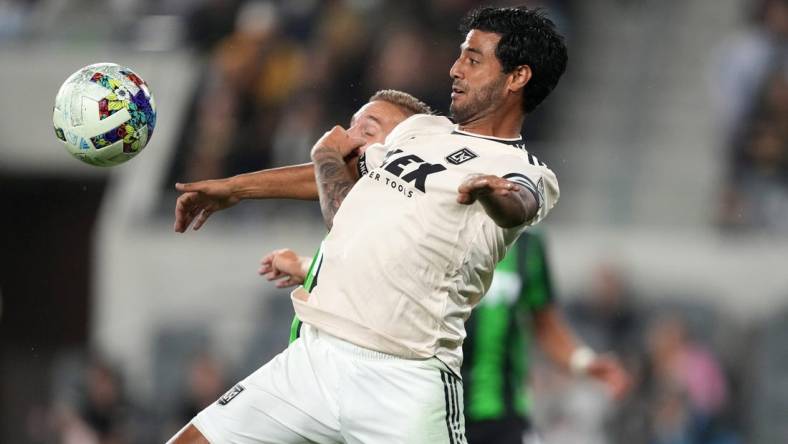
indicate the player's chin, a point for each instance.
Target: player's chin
{"x":454,"y":108}
{"x":458,"y":113}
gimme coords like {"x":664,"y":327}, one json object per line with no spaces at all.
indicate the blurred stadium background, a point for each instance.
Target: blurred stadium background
{"x":669,"y":134}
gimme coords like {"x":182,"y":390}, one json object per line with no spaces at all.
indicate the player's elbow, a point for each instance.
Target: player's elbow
{"x":511,"y":222}
{"x":513,"y":218}
{"x":521,"y":214}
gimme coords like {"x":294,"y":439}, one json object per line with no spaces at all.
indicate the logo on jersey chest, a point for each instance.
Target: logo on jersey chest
{"x":410,"y":169}
{"x":461,"y":156}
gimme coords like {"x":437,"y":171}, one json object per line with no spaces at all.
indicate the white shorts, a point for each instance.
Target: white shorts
{"x":322,"y":389}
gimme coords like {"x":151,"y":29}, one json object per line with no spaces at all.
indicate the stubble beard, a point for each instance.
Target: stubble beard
{"x":478,"y":104}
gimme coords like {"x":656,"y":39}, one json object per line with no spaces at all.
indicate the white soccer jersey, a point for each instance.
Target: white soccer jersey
{"x":404,"y":263}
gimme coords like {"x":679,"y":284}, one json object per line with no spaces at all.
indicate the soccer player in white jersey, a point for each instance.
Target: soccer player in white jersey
{"x":411,"y":251}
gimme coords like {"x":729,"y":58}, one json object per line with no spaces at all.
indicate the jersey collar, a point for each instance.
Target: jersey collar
{"x":516,"y":142}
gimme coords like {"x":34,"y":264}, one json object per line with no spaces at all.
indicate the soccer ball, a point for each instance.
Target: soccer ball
{"x":104,"y":114}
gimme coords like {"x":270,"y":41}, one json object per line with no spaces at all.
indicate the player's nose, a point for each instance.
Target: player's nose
{"x":356,"y":133}
{"x":454,"y":71}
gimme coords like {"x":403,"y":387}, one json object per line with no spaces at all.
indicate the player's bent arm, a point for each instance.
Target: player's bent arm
{"x":507,"y":203}
{"x":334,"y":179}
{"x":554,"y":336}
{"x":334,"y":183}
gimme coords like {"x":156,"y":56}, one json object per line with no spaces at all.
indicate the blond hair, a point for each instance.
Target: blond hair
{"x":403,"y":100}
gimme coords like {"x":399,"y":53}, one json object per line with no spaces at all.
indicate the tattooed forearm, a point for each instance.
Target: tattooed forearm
{"x":334,"y":181}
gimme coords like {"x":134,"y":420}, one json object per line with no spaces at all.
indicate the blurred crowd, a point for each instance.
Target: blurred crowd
{"x":751,"y":85}
{"x":684,"y":389}
{"x":287,"y":71}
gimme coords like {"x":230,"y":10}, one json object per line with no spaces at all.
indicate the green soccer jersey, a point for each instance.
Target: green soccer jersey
{"x":495,"y":351}
{"x":309,"y":283}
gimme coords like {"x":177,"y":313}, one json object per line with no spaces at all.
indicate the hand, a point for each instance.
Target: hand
{"x":611,"y":373}
{"x":199,"y":200}
{"x":474,"y":187}
{"x":284,"y":265}
{"x":338,"y":139}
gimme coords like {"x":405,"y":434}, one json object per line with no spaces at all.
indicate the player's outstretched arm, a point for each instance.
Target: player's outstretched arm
{"x":285,"y":267}
{"x":555,"y":338}
{"x":201,"y":199}
{"x":334,"y":179}
{"x":506,"y":202}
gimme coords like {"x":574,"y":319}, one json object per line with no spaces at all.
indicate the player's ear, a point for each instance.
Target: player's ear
{"x":519,"y":77}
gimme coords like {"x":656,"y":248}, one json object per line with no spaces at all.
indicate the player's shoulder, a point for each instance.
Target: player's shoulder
{"x":421,"y":124}
{"x":513,"y":154}
{"x":428,"y":121}
{"x":527,"y":158}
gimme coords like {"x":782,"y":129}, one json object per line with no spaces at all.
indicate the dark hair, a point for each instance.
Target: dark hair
{"x":408,"y":103}
{"x":528,"y":37}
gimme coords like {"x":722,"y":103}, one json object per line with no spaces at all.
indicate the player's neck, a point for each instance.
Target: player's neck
{"x":491,"y":129}
{"x":504,"y":123}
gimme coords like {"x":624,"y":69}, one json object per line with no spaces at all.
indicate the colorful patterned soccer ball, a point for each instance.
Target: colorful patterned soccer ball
{"x":104,"y":114}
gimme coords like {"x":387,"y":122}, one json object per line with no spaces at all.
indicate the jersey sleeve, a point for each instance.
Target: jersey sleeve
{"x":535,"y":177}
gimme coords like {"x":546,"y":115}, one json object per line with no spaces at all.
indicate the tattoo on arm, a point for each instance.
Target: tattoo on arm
{"x":333,"y":183}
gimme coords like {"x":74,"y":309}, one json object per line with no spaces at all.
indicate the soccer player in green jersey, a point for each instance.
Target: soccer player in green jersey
{"x":520,"y":308}
{"x":496,"y":353}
